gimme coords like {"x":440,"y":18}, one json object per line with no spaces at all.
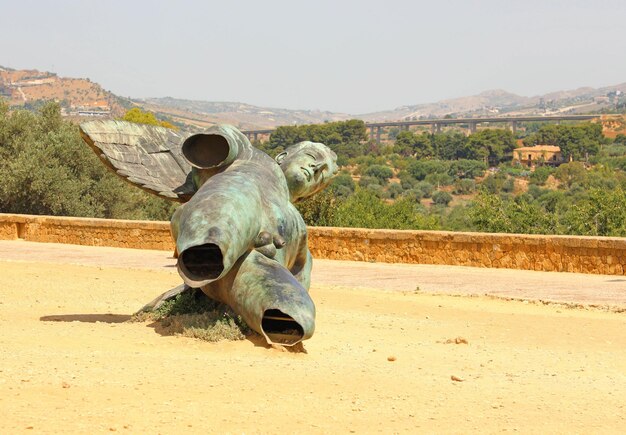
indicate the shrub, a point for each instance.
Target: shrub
{"x":367,"y":180}
{"x":365,"y":210}
{"x":467,"y":168}
{"x":193,"y":314}
{"x":509,"y":185}
{"x":464,"y":186}
{"x":343,"y":179}
{"x":438,"y":179}
{"x":441,"y":197}
{"x":395,"y":190}
{"x":376,"y":189}
{"x":413,"y":194}
{"x":421,"y":168}
{"x":426,"y":188}
{"x":319,"y":209}
{"x":540,"y":175}
{"x":47,"y":169}
{"x":383,"y":173}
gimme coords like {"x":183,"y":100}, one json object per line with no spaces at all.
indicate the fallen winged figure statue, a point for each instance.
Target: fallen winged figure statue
{"x":238,"y":236}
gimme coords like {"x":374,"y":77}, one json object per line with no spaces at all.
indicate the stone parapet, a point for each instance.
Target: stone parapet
{"x":601,"y":255}
{"x":87,"y":231}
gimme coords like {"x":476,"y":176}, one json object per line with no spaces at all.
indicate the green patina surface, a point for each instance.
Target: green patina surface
{"x":239,"y":237}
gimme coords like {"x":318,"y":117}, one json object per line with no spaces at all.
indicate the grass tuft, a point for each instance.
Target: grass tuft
{"x":193,"y":314}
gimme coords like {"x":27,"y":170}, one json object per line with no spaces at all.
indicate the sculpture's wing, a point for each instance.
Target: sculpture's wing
{"x":147,"y":156}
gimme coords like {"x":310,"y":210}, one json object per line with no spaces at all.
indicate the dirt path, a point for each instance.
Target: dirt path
{"x":70,"y":363}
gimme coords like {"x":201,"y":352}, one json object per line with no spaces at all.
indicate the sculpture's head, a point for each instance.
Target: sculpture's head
{"x":308,"y":168}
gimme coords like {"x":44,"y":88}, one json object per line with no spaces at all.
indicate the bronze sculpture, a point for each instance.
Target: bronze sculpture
{"x":239,"y":237}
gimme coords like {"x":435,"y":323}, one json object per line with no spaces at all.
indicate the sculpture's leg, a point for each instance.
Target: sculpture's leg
{"x":156,"y":303}
{"x":271,"y":300}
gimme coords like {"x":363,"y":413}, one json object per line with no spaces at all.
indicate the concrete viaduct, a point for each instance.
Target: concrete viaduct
{"x":376,"y":128}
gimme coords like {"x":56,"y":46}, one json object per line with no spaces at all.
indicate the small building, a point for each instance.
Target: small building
{"x":538,"y":155}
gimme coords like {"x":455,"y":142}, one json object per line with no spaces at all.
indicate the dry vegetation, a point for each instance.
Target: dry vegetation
{"x":192,"y":314}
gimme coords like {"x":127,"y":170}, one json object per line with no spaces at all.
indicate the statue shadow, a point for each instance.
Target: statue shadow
{"x":256,"y":339}
{"x":252,"y":337}
{"x":87,"y":318}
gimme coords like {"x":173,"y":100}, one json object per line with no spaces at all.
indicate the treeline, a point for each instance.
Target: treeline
{"x":577,"y":142}
{"x":46,"y":168}
{"x":450,"y":181}
{"x":491,"y":145}
{"x":347,"y":139}
{"x":443,"y":181}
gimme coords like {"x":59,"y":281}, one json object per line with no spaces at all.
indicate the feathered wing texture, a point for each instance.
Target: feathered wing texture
{"x":147,"y":156}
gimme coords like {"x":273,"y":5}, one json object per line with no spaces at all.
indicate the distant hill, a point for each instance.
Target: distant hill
{"x":77,"y":97}
{"x":83,"y":98}
{"x":499,"y":102}
{"x":244,"y":116}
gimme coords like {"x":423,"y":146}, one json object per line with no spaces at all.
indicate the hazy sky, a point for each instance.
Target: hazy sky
{"x":351,"y":56}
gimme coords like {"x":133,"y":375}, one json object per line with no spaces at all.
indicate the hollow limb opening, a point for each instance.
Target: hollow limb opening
{"x":281,"y":328}
{"x":206,"y":150}
{"x":202,"y":262}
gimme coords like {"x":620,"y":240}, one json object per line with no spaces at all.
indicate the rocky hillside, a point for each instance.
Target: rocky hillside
{"x":78,"y":97}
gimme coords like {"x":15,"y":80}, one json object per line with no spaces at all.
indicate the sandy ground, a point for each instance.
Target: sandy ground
{"x":69,"y":362}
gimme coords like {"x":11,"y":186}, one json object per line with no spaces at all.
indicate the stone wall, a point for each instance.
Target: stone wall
{"x":87,"y":231}
{"x":603,"y":255}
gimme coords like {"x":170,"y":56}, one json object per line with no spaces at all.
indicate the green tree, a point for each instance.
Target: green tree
{"x":540,"y":175}
{"x":601,"y":213}
{"x":492,"y":213}
{"x":419,"y":169}
{"x":381,"y":172}
{"x":138,"y":116}
{"x":344,"y":179}
{"x":405,"y":141}
{"x":570,"y":173}
{"x":449,"y":145}
{"x":464,"y":186}
{"x":491,"y":145}
{"x":367,"y":180}
{"x":464,"y":168}
{"x":365,"y":210}
{"x":319,"y":209}
{"x":409,"y":144}
{"x":441,"y":197}
{"x":620,"y":139}
{"x":48,"y":169}
{"x":395,"y":190}
{"x":345,"y":138}
{"x":575,"y":141}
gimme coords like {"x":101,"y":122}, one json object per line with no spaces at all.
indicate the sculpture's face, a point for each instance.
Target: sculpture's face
{"x":308,"y":168}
